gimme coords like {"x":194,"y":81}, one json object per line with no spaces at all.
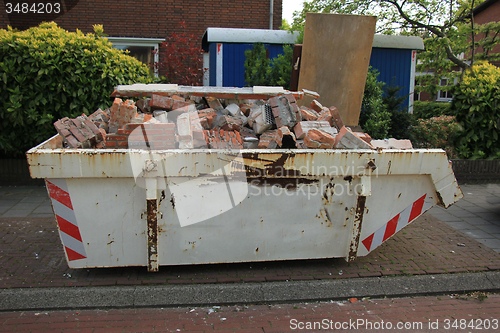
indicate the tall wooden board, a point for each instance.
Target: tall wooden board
{"x":335,"y":58}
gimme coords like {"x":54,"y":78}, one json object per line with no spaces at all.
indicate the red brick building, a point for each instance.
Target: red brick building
{"x":139,"y":25}
{"x":488,"y":11}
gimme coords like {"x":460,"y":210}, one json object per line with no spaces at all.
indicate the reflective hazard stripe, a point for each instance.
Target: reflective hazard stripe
{"x":66,"y":219}
{"x":408,"y":215}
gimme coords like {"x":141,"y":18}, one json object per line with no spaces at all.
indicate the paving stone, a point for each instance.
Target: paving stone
{"x":493,"y":243}
{"x":462,"y":213}
{"x":14,"y":197}
{"x":446,"y":217}
{"x":491,"y":229}
{"x":43,"y":209}
{"x":15,"y":213}
{"x":477,"y":234}
{"x":33,"y":198}
{"x":26,"y":206}
{"x":461,"y":225}
{"x":477,"y":221}
{"x":41,"y":215}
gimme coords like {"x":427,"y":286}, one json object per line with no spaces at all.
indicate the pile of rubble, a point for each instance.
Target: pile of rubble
{"x":168,"y":121}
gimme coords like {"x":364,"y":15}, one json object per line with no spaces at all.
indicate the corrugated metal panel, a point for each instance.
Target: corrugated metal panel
{"x":234,"y":62}
{"x":393,"y":64}
{"x":213,"y":64}
{"x":274,"y":50}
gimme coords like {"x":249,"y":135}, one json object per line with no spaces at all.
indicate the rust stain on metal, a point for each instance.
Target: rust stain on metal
{"x":152,"y":216}
{"x":371,"y":165}
{"x":348,"y":178}
{"x":277,"y":168}
{"x":172,"y":200}
{"x":290,"y":184}
{"x":325,"y":216}
{"x":358,"y":221}
{"x":328,"y":193}
{"x":440,"y":200}
{"x":274,"y":165}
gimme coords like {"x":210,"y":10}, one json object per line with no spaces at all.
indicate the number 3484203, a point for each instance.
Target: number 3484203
{"x":480,"y":324}
{"x":32,"y":8}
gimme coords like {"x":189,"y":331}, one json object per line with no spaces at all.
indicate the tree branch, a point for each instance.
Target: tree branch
{"x":435,"y":30}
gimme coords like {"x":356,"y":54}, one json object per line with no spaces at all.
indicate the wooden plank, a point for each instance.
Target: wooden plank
{"x":335,"y":58}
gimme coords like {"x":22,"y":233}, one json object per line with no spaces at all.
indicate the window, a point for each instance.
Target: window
{"x":445,"y":95}
{"x":139,"y":48}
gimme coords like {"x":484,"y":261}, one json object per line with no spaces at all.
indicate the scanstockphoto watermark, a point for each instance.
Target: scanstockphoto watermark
{"x":364,"y":324}
{"x":357,"y":324}
{"x":354,"y":169}
{"x":309,"y":189}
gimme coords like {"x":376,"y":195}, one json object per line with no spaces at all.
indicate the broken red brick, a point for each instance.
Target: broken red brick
{"x":160,"y":102}
{"x":176,"y":105}
{"x":214,"y":103}
{"x":245,"y":109}
{"x":347,"y":140}
{"x":337,"y":120}
{"x":363,"y":136}
{"x":79,"y":132}
{"x":316,"y":106}
{"x":143,"y":105}
{"x":308,"y":114}
{"x":303,"y":127}
{"x":326,"y":116}
{"x":318,"y":139}
{"x":267,"y":138}
{"x":229,"y":123}
{"x":285,"y":136}
{"x":209,"y":115}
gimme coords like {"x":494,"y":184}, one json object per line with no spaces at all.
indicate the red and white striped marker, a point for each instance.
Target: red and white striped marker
{"x":66,"y":219}
{"x":397,"y":223}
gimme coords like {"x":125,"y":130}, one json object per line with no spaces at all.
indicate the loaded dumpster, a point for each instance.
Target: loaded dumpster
{"x":139,"y":206}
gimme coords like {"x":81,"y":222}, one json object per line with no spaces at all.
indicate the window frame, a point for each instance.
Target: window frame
{"x":438,"y":95}
{"x":137,"y":41}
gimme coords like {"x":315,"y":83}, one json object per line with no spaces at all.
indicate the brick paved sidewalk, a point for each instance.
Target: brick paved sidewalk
{"x":31,"y":255}
{"x":458,"y":313}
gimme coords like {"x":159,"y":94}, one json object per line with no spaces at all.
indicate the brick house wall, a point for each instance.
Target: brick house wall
{"x":488,"y":11}
{"x":151,"y":19}
{"x":145,"y":19}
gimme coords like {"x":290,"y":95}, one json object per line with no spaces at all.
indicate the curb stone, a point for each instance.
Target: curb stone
{"x":246,"y":293}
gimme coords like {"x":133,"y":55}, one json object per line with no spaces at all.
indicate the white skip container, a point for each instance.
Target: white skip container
{"x":135,"y":207}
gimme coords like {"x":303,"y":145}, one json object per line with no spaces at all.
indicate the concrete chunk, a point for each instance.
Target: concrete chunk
{"x":392,"y":144}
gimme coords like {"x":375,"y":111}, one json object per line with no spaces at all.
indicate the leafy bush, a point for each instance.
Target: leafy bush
{"x":262,"y":71}
{"x":401,"y":120}
{"x":426,"y":110}
{"x":476,"y":103}
{"x":374,"y":118}
{"x":49,"y":73}
{"x":181,"y":59}
{"x":436,"y":132}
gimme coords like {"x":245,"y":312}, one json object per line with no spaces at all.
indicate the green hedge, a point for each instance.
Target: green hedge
{"x":427,"y":110}
{"x":49,"y":73}
{"x":477,"y":105}
{"x":262,"y":71}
